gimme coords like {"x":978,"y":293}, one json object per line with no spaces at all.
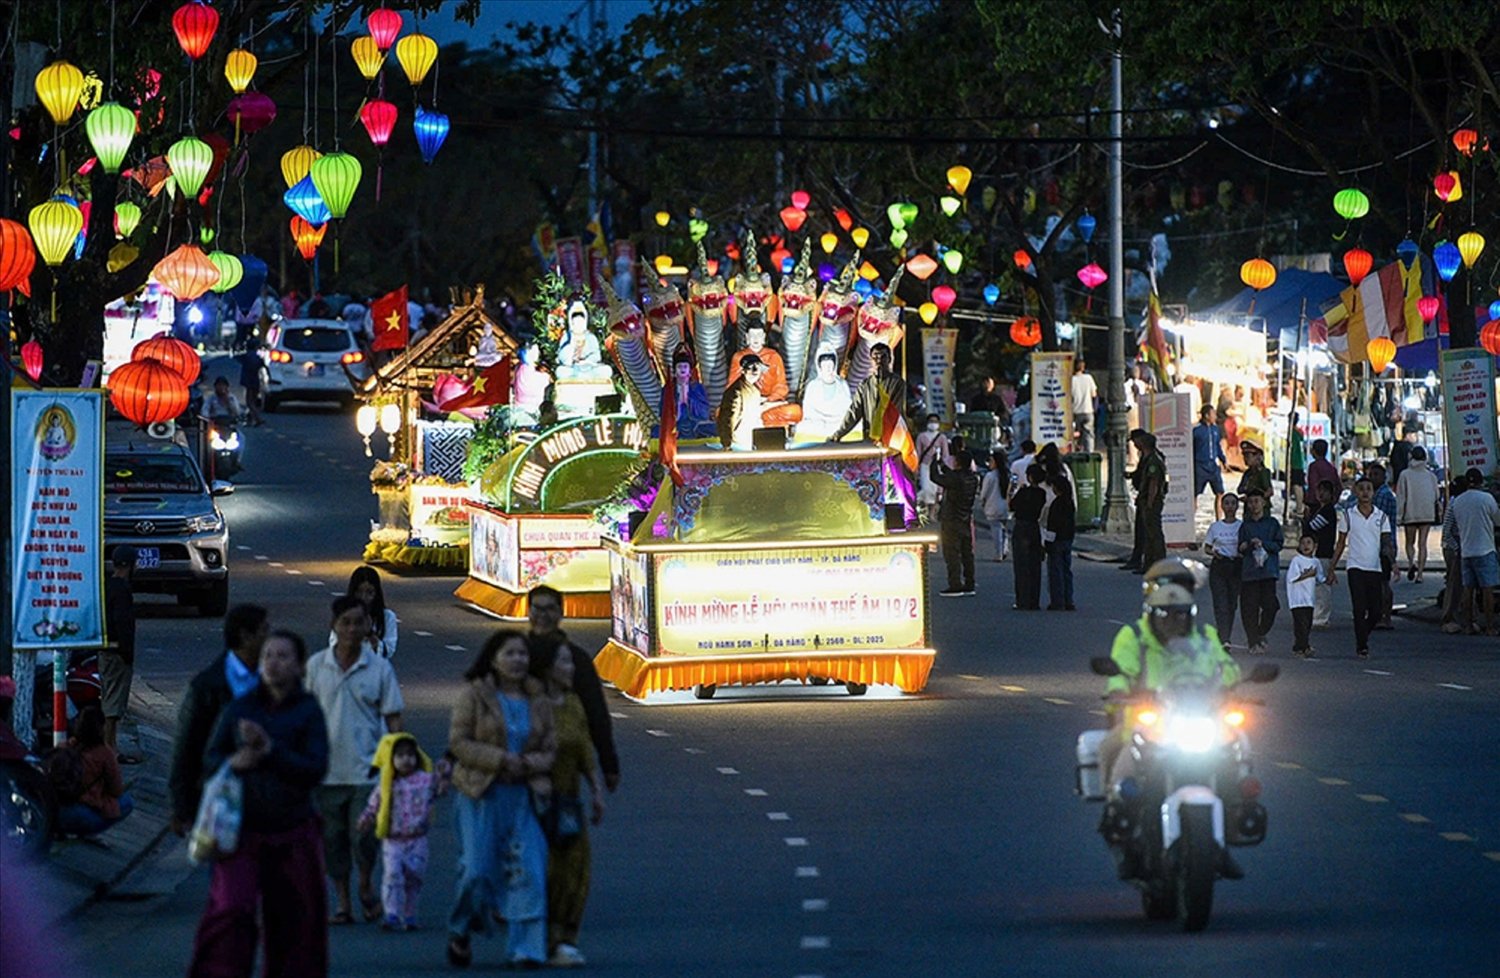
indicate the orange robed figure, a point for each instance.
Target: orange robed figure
{"x":776,"y":411}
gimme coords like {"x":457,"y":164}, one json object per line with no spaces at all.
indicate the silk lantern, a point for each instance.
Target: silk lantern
{"x":190,"y":160}
{"x":147,"y":391}
{"x":1258,"y":274}
{"x":1092,"y":276}
{"x":959,"y":177}
{"x":31,"y":359}
{"x":195,"y":25}
{"x":127,"y":217}
{"x":801,"y":199}
{"x":697,"y":231}
{"x":1427,"y":307}
{"x":1447,"y":258}
{"x":172,"y":353}
{"x":953,"y":260}
{"x":1407,"y":251}
{"x":663,"y":218}
{"x":296,"y":162}
{"x":860,"y":237}
{"x":230,"y":270}
{"x":845,"y":219}
{"x":384,"y":26}
{"x":416,"y":54}
{"x":1026,"y":331}
{"x":59,"y":86}
{"x":1021,"y":258}
{"x":908,"y":212}
{"x":868,"y":272}
{"x":251,"y":112}
{"x":928,"y":311}
{"x":307,"y":237}
{"x":1351,"y":203}
{"x":54,"y":228}
{"x":17,"y":254}
{"x":793,"y":218}
{"x":336,"y":176}
{"x":1495,"y":309}
{"x":898,"y":238}
{"x":943,"y":297}
{"x":1489,"y":337}
{"x":431,"y":129}
{"x":893,"y":214}
{"x":922,"y":266}
{"x":1464,"y":140}
{"x":379,"y":118}
{"x":368,"y":57}
{"x":1448,"y":187}
{"x":1380,"y":351}
{"x":1470,"y":245}
{"x":991,"y":294}
{"x":239,"y":69}
{"x":1086,"y":224}
{"x":949,"y":204}
{"x":828,"y":241}
{"x":110,"y":129}
{"x":1357,"y":263}
{"x":186,"y":273}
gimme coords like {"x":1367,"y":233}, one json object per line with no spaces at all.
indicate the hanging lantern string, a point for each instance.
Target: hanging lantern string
{"x":1299,"y":171}
{"x":111,"y":48}
{"x":333,"y":56}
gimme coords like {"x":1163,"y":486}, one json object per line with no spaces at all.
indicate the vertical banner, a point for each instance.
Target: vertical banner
{"x":939,"y":348}
{"x":1052,"y":399}
{"x":57,"y":451}
{"x":1170,"y":418}
{"x":544,"y":243}
{"x":1469,"y":411}
{"x":570,"y":260}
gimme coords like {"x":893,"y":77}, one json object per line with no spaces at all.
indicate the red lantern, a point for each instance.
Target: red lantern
{"x":171,"y":352}
{"x":31,"y":359}
{"x":779,"y":257}
{"x":1021,"y":258}
{"x":800,"y":199}
{"x":195,"y":24}
{"x":845,"y":219}
{"x":1358,"y":262}
{"x":17,"y":254}
{"x":1427,"y":307}
{"x":379,"y":118}
{"x":147,"y":391}
{"x":943,"y":297}
{"x":307,"y":237}
{"x":1465,"y":140}
{"x":1489,"y":337}
{"x":1026,"y":331}
{"x":732,"y":251}
{"x":793,"y":218}
{"x":384,"y":26}
{"x":1444,"y":185}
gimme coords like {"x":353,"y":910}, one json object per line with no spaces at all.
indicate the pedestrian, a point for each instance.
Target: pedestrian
{"x":232,"y":674}
{"x":1208,"y":456}
{"x":931,"y":444}
{"x":1026,"y":506}
{"x":992,"y":503}
{"x":1362,"y":530}
{"x":1320,"y":470}
{"x":1303,"y":572}
{"x":1419,"y":505}
{"x":956,"y":521}
{"x":399,"y":812}
{"x":1260,"y":546}
{"x":1256,"y":476}
{"x":117,"y":660}
{"x":276,"y":740}
{"x":544,"y":609}
{"x":361,"y":700}
{"x":250,"y":371}
{"x":1478,"y":517}
{"x":1062,"y":521}
{"x":1453,"y":566}
{"x":1322,"y":524}
{"x":568,"y":855}
{"x":101,"y":799}
{"x":364,"y":584}
{"x":1296,"y":475}
{"x":1222,"y":541}
{"x":1150,"y":479}
{"x":1385,"y":500}
{"x":1019,"y":465}
{"x":502,"y":738}
{"x":1084,"y":393}
{"x":1051,"y":461}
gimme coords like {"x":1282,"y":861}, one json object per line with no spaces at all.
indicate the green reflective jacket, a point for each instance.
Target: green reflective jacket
{"x":1137,"y":648}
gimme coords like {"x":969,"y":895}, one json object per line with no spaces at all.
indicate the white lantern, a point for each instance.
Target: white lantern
{"x":390,"y":418}
{"x":364,"y":423}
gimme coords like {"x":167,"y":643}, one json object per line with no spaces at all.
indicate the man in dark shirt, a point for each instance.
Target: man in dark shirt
{"x":956,"y":520}
{"x":117,"y":661}
{"x":1150,"y":498}
{"x":544,"y":609}
{"x":1026,"y":509}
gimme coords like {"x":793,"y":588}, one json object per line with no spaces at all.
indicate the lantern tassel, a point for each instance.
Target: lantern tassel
{"x":379,"y":173}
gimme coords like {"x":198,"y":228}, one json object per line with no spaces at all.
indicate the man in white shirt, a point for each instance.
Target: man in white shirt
{"x":1478,"y":516}
{"x":1222,"y":541}
{"x":1360,"y":528}
{"x":1084,"y":393}
{"x":1018,"y":468}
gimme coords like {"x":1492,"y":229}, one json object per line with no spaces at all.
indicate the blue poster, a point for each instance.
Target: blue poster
{"x":57,"y":446}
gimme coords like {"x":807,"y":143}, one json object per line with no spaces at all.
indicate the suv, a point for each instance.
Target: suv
{"x":156,"y":501}
{"x":306,"y":360}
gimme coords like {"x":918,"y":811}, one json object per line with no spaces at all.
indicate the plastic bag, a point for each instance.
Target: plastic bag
{"x":216,"y":830}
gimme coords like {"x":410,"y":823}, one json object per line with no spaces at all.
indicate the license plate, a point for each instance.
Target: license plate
{"x":315,"y":370}
{"x":147,"y":558}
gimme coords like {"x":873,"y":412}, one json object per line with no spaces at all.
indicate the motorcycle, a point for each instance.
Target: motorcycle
{"x":1193,"y":794}
{"x":224,"y":442}
{"x":28,"y":810}
{"x":83,"y":686}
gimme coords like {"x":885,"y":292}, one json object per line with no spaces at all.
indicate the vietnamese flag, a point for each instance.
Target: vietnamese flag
{"x":490,"y":387}
{"x":391,"y":321}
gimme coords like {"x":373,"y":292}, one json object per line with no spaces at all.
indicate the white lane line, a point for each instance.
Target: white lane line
{"x":317,"y":584}
{"x":658,"y":733}
{"x":261,"y":557}
{"x":1116,"y":621}
{"x":1453,"y":686}
{"x":1377,"y":672}
{"x":241,"y":546}
{"x":421,"y":634}
{"x":756,"y":792}
{"x":619,"y":716}
{"x":815,"y":943}
{"x":455,"y":648}
{"x":1057,"y":702}
{"x":807,"y":872}
{"x":726,"y":770}
{"x":277,"y":563}
{"x":294,"y":572}
{"x":815,"y":906}
{"x":795,"y":841}
{"x":695,"y":750}
{"x":779,"y":816}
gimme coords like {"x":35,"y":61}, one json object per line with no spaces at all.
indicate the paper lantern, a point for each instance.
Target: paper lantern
{"x":416,"y":54}
{"x":127,"y":217}
{"x":928,"y":311}
{"x":110,"y":129}
{"x":431,"y":129}
{"x":663,"y":219}
{"x":1489,"y":337}
{"x":922,"y":266}
{"x":828,"y":241}
{"x":1380,"y":351}
{"x":54,"y":228}
{"x":230,"y":270}
{"x":908,"y":212}
{"x":59,"y":86}
{"x":801,"y":199}
{"x":1085,"y":225}
{"x":949,"y":204}
{"x":1407,"y":251}
{"x":239,"y":69}
{"x":147,"y":391}
{"x":1092,"y":276}
{"x":1447,"y":258}
{"x":186,"y":273}
{"x":793,"y":218}
{"x":31,"y":359}
{"x":251,"y":112}
{"x":1495,"y":309}
{"x":893,"y":213}
{"x":1351,"y":203}
{"x":698,"y":230}
{"x":782,"y":261}
{"x":1470,"y":245}
{"x":1357,"y":263}
{"x":943,"y":297}
{"x":1448,"y":187}
{"x":1022,"y":258}
{"x":898,"y":238}
{"x":379,"y":118}
{"x":307,"y":237}
{"x":172,"y":353}
{"x":1258,"y":274}
{"x":845,"y":219}
{"x":959,"y":177}
{"x":384,"y":26}
{"x":1427,"y":307}
{"x":190,"y":160}
{"x":1026,"y":331}
{"x":368,"y":57}
{"x":953,"y":260}
{"x":860,"y":237}
{"x":17,"y":254}
{"x":868,"y":272}
{"x":296,"y":163}
{"x":991,"y":294}
{"x":195,"y":24}
{"x":1464,"y":140}
{"x":336,"y":176}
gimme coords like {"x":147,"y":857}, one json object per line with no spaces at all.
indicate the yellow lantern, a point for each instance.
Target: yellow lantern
{"x":1258,"y":274}
{"x":663,"y":219}
{"x":860,"y":237}
{"x":296,"y":163}
{"x":959,"y":177}
{"x":239,"y":68}
{"x":367,"y":56}
{"x":416,"y":53}
{"x":928,"y":311}
{"x":1470,"y":244}
{"x":60,"y":86}
{"x":663,"y":262}
{"x":829,"y":241}
{"x":868,"y":272}
{"x":1381,"y":351}
{"x":54,"y":228}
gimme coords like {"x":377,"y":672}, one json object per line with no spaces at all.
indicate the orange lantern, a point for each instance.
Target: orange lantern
{"x":1380,"y":351}
{"x":147,"y":391}
{"x":1358,"y":262}
{"x":1465,"y":140}
{"x":186,"y":273}
{"x":17,"y":254}
{"x":171,"y":352}
{"x":793,"y":218}
{"x":922,"y":266}
{"x":1258,"y":274}
{"x":1026,"y":331}
{"x":1021,"y":258}
{"x":1489,"y":337}
{"x":307,"y":237}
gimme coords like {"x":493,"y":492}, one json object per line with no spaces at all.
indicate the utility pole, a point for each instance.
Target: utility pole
{"x":1117,"y":519}
{"x":596,"y":16}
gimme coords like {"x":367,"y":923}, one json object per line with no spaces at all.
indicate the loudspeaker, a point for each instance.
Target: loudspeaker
{"x":164,"y":430}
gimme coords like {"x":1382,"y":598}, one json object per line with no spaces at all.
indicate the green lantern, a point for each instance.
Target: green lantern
{"x":127,"y":216}
{"x":1351,"y":203}
{"x":953,"y":260}
{"x":111,"y":129}
{"x":950,"y":204}
{"x":190,"y":160}
{"x":207,"y":234}
{"x":908,"y":212}
{"x":336,"y":177}
{"x":894,"y":213}
{"x":898,"y":238}
{"x":697,"y":229}
{"x":230,"y":270}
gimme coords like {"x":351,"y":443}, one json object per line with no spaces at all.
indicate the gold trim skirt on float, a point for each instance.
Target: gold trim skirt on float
{"x":637,"y":676}
{"x":508,"y":604}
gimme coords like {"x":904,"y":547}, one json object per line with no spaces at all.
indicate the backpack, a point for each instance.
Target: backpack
{"x":64,"y":767}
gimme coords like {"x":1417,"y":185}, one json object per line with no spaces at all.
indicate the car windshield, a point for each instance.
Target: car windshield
{"x":151,"y":473}
{"x":311,"y":340}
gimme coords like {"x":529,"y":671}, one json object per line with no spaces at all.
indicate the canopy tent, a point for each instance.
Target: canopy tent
{"x":1279,"y":309}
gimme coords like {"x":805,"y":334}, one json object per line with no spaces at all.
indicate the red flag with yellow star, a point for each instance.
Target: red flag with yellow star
{"x":391,"y":321}
{"x":492,"y":386}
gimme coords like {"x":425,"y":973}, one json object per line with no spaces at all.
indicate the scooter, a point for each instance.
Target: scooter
{"x":1193,"y":794}
{"x":28,"y":810}
{"x":224,"y":442}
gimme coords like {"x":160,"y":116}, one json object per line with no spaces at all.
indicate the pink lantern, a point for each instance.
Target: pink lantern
{"x":31,"y":359}
{"x":800,"y":199}
{"x":943,"y":297}
{"x":1092,"y":276}
{"x":1427,"y":307}
{"x":379,"y":118}
{"x":384,"y":26}
{"x":251,"y":111}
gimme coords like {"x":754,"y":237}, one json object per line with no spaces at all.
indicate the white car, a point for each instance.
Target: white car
{"x":306,"y":361}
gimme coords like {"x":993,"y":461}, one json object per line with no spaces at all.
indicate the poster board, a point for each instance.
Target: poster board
{"x":1170,"y":418}
{"x":939,"y":353}
{"x":1052,"y":399}
{"x":1469,"y":411}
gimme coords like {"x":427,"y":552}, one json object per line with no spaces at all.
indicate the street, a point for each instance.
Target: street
{"x":798,"y":831}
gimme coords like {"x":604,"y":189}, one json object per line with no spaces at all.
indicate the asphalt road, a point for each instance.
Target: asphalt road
{"x":799,"y":832}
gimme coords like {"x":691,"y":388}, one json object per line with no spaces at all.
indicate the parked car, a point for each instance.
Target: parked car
{"x":155,"y":500}
{"x":306,"y":361}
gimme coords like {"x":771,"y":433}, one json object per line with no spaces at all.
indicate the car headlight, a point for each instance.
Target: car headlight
{"x":205,"y":524}
{"x":1193,"y":734}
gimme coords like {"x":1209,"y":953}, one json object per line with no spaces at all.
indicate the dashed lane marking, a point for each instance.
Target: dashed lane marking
{"x":316,"y":584}
{"x":695,"y":750}
{"x":795,"y":841}
{"x":241,"y":546}
{"x":1454,"y":686}
{"x":1289,"y":765}
{"x":277,"y":563}
{"x":658,"y":733}
{"x":1457,"y":836}
{"x":1493,"y":856}
{"x":778,"y":816}
{"x":726,"y":770}
{"x":815,"y":906}
{"x":1333,"y":781}
{"x":261,"y":557}
{"x":808,"y":872}
{"x":421,"y":634}
{"x":1057,"y":702}
{"x":1014,"y":689}
{"x":1415,"y":819}
{"x":619,"y":716}
{"x":455,"y":648}
{"x":756,"y":792}
{"x":1373,"y":799}
{"x":970,"y":678}
{"x":1377,"y":672}
{"x":294,"y":572}
{"x":815,"y":943}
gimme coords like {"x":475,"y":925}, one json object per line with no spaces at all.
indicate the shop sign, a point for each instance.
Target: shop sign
{"x":1469,"y":411}
{"x":1052,"y":399}
{"x":1169,"y":418}
{"x":939,"y":350}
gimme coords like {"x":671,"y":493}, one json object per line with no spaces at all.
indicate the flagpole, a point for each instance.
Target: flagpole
{"x":1117,"y":518}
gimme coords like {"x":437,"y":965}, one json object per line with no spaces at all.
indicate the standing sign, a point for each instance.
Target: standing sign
{"x":939,"y":349}
{"x":1469,"y":411}
{"x":1052,"y":399}
{"x":1170,"y":418}
{"x":57,"y":451}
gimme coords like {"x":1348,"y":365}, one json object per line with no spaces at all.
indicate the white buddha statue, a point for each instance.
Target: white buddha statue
{"x":578,"y":354}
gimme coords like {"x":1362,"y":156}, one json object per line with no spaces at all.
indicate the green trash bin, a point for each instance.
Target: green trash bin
{"x":1087,"y":469}
{"x":978,"y":429}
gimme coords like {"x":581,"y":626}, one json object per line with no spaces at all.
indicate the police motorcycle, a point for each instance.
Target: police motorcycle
{"x":1188,"y":791}
{"x":224,"y":442}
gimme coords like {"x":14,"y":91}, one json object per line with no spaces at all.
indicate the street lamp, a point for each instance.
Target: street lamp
{"x":1117,"y":519}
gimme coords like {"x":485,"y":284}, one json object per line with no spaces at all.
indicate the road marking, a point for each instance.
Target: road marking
{"x":1453,"y":686}
{"x":726,"y":770}
{"x":316,"y":584}
{"x":1057,"y":702}
{"x":1333,"y":781}
{"x":618,"y":716}
{"x":970,"y":678}
{"x":779,"y":816}
{"x":815,"y":906}
{"x":1116,"y":621}
{"x":1415,"y":819}
{"x":261,"y":557}
{"x":1014,"y":689}
{"x":817,"y":943}
{"x":807,"y":872}
{"x":1494,"y":856}
{"x":423,"y":634}
{"x":294,"y":572}
{"x":695,"y":750}
{"x":1289,"y":765}
{"x":1377,"y":672}
{"x":277,"y":563}
{"x":241,"y":546}
{"x":795,"y":841}
{"x":1099,"y":713}
{"x":1457,"y":836}
{"x":455,"y":648}
{"x":1373,"y":799}
{"x":756,"y":792}
{"x":658,"y":733}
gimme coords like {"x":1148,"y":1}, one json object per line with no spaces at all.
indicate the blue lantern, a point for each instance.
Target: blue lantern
{"x":991,"y":294}
{"x":1447,"y":258}
{"x":787,"y":264}
{"x":826,"y":272}
{"x":1495,"y":309}
{"x":244,"y":294}
{"x":1407,"y":251}
{"x":863,"y":287}
{"x":305,"y":201}
{"x":1085,"y":226}
{"x":431,"y":128}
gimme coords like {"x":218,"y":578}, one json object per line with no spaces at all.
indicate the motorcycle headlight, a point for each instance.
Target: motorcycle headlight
{"x":1192,"y":734}
{"x":232,"y":442}
{"x":205,"y":524}
{"x":218,"y":443}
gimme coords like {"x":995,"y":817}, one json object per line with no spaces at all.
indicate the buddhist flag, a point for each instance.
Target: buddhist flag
{"x":391,"y":321}
{"x":1382,"y":305}
{"x":666,"y":437}
{"x":490,"y":387}
{"x":894,"y":434}
{"x":1154,"y":344}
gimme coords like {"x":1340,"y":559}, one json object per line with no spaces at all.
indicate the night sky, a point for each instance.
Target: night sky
{"x":495,"y":14}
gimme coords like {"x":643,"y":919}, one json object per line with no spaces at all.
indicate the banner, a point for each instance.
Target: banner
{"x":1052,"y":399}
{"x":570,"y":260}
{"x":1169,"y":418}
{"x":439,"y":513}
{"x":544,"y":243}
{"x":57,"y":451}
{"x":1469,"y":411}
{"x":939,"y":349}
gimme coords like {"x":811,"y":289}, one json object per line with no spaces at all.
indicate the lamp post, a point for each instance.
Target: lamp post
{"x":1117,"y":519}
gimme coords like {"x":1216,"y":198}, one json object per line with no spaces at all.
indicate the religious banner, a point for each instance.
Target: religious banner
{"x":57,"y":451}
{"x":1170,"y":418}
{"x":1469,"y":411}
{"x":570,"y":260}
{"x":939,"y":350}
{"x":1052,"y":399}
{"x":544,"y":243}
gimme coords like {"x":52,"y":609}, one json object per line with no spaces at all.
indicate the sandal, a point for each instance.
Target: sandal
{"x":340,"y":919}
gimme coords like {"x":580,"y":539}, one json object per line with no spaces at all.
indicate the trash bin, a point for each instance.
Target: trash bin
{"x":1086,"y":469}
{"x":978,"y":429}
